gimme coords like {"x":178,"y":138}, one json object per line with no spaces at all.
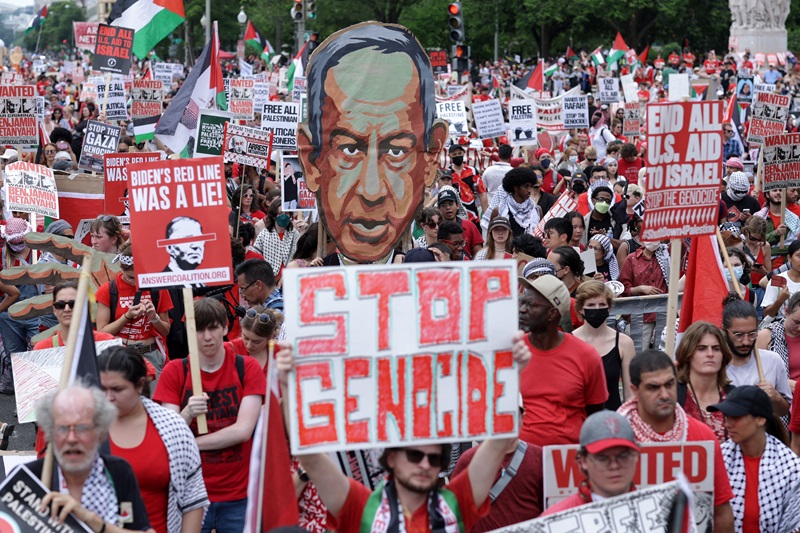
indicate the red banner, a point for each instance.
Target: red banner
{"x":116,"y":180}
{"x":684,"y":170}
{"x":85,"y":35}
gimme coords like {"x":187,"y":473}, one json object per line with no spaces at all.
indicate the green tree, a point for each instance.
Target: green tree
{"x":57,"y":27}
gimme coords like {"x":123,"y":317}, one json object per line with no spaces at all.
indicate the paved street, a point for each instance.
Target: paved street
{"x":24,"y":436}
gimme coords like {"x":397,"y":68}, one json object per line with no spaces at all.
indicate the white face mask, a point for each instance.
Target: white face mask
{"x":573,"y":159}
{"x":652,"y":246}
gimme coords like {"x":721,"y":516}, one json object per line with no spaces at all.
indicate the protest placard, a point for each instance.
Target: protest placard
{"x":146,"y":107}
{"x":115,"y":171}
{"x":21,"y":494}
{"x":631,"y":121}
{"x":163,"y":73}
{"x":210,"y":134}
{"x":295,"y":195}
{"x":78,"y":76}
{"x":247,"y":146}
{"x":18,"y":114}
{"x":40,"y":107}
{"x":549,"y":111}
{"x":522,"y":122}
{"x":260,"y":95}
{"x":608,"y":90}
{"x":280,"y":119}
{"x":99,"y":139}
{"x":781,"y":161}
{"x":744,"y":90}
{"x":180,"y":216}
{"x":764,"y":87}
{"x":115,"y":102}
{"x":240,"y":99}
{"x":85,"y":35}
{"x":630,"y":89}
{"x":768,"y":116}
{"x":455,"y":114}
{"x":298,"y":88}
{"x":576,"y":111}
{"x":679,"y":87}
{"x":684,"y":169}
{"x":453,"y":90}
{"x":563,"y":205}
{"x":489,"y":118}
{"x":88,"y":92}
{"x":31,"y":189}
{"x":438,"y":61}
{"x":658,"y":463}
{"x":414,"y":353}
{"x":113,"y":49}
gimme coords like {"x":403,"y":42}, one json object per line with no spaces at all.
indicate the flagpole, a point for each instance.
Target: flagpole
{"x":41,"y":23}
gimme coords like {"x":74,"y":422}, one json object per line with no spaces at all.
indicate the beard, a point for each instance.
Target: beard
{"x":735,"y":350}
{"x":415,"y":486}
{"x":77,"y":468}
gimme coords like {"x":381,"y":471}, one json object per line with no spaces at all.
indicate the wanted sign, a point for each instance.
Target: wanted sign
{"x":455,"y":114}
{"x":210,"y":134}
{"x":280,"y":119}
{"x":240,"y":99}
{"x":522,"y":122}
{"x":575,"y":111}
{"x":608,"y":90}
{"x":100,"y":139}
{"x":391,"y":355}
{"x":489,"y":119}
{"x":247,"y":146}
{"x":18,"y":114}
{"x":31,"y":189}
{"x":180,"y":216}
{"x":113,"y":49}
{"x":146,"y":106}
{"x":684,"y":169}
{"x":116,"y":179}
{"x":781,"y":161}
{"x":768,"y":116}
{"x":631,"y":122}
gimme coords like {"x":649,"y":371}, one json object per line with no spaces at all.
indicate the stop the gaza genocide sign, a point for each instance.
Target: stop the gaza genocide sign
{"x":684,"y":170}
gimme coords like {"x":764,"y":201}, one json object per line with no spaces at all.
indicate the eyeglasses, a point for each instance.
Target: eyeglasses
{"x":457,"y":244}
{"x":62,"y":304}
{"x":622,"y":459}
{"x":104,"y":218}
{"x":739,"y":335}
{"x":416,"y":456}
{"x":79,"y":429}
{"x":248,"y":196}
{"x":242,"y":291}
{"x":49,"y":151}
{"x":728,"y":131}
{"x":432,"y":225}
{"x":262,"y":317}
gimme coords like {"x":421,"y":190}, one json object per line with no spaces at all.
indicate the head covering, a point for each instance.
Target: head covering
{"x":456,"y":146}
{"x":606,"y":429}
{"x":738,"y":186}
{"x":14,"y":233}
{"x":608,"y":255}
{"x":63,"y":155}
{"x":553,"y":289}
{"x":447,"y":194}
{"x":9,"y":154}
{"x":540,"y":152}
{"x":539,"y":266}
{"x":745,"y":400}
{"x":499,"y":222}
{"x":735,"y":162}
{"x":609,"y":160}
{"x":58,"y":227}
{"x":419,"y":255}
{"x":596,"y":185}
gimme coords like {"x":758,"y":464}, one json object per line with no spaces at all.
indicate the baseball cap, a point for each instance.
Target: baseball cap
{"x":456,"y":146}
{"x":419,"y":255}
{"x":745,"y":400}
{"x":606,"y":429}
{"x":499,"y":222}
{"x":447,"y":194}
{"x":578,"y":175}
{"x":538,"y":266}
{"x":9,"y":154}
{"x":551,"y":288}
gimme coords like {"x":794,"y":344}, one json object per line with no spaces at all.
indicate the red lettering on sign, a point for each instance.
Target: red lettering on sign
{"x":309,"y":287}
{"x":354,"y":368}
{"x":695,"y":463}
{"x":438,"y":292}
{"x":501,"y":422}
{"x":565,"y":468}
{"x":384,"y":285}
{"x":325,"y":409}
{"x":481,"y":294}
{"x":422,"y":395}
{"x":476,"y":394}
{"x":444,"y":361}
{"x":391,"y":398}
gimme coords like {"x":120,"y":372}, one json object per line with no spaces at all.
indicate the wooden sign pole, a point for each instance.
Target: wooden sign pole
{"x":726,"y":258}
{"x":783,"y":215}
{"x":105,"y":96}
{"x":672,"y":295}
{"x":264,"y":436}
{"x":194,"y":358}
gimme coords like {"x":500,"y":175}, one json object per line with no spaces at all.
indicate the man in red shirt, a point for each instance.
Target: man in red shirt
{"x":468,"y":182}
{"x":656,"y":416}
{"x":412,"y":485}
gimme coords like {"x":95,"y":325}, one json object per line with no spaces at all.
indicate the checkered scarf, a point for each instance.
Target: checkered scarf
{"x":276,"y":251}
{"x":644,"y":432}
{"x":608,"y":255}
{"x":98,"y":494}
{"x":778,"y":486}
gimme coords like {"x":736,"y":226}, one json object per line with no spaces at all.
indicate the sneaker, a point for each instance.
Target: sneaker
{"x":5,"y":431}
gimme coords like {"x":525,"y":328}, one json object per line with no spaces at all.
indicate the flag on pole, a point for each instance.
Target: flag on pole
{"x":268,"y":52}
{"x":297,"y":68}
{"x":570,"y":53}
{"x":597,"y":57}
{"x":203,"y":89}
{"x":618,"y":49}
{"x":84,"y":361}
{"x":37,"y":21}
{"x":533,"y":80}
{"x":151,"y":20}
{"x":705,"y":285}
{"x":643,"y":56}
{"x":253,"y":37}
{"x":551,"y":69}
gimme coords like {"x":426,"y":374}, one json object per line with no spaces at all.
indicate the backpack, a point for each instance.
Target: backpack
{"x":239,"y":371}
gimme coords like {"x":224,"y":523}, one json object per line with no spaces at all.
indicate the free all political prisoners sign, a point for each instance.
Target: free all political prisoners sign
{"x":179,"y":215}
{"x":781,"y":161}
{"x":31,"y":189}
{"x":389,"y":355}
{"x":684,"y":169}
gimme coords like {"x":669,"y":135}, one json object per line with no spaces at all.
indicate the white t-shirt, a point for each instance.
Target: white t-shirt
{"x":493,"y":176}
{"x":771,"y":293}
{"x":600,"y":139}
{"x":774,"y":372}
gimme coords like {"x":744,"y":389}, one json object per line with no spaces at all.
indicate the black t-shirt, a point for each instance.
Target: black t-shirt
{"x":604,"y":224}
{"x":748,"y":202}
{"x":546,"y":201}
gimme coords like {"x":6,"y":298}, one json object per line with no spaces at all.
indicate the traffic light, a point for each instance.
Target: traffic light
{"x":310,"y":9}
{"x":461,"y":54}
{"x":313,"y":41}
{"x":297,"y":11}
{"x":456,"y":22}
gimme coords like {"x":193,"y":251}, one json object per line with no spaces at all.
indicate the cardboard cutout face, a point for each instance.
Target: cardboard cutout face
{"x":371,"y":143}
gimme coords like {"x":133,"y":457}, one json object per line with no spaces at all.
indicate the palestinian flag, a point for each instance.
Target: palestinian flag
{"x":298,"y":67}
{"x":497,"y":87}
{"x":37,"y":21}
{"x":253,"y":37}
{"x":152,"y":20}
{"x":643,"y":56}
{"x":618,"y":49}
{"x":705,"y":282}
{"x":597,"y":57}
{"x":699,"y":91}
{"x":533,"y":80}
{"x":551,"y":69}
{"x":570,"y":53}
{"x":203,"y":89}
{"x":268,"y":52}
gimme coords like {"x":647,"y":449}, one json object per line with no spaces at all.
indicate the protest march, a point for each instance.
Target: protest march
{"x":265,"y":337}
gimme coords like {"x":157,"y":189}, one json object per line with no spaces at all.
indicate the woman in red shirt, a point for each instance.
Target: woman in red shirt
{"x":246,"y":197}
{"x":156,"y":442}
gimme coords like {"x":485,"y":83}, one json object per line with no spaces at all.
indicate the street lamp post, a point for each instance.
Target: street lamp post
{"x":207,"y":23}
{"x":242,"y":18}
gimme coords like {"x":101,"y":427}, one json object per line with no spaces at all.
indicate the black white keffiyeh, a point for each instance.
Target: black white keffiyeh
{"x":98,"y":494}
{"x":608,"y":255}
{"x":276,"y":251}
{"x":525,"y":214}
{"x":662,"y":256}
{"x":778,"y":486}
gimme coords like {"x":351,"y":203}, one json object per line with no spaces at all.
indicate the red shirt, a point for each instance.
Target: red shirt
{"x":139,"y":329}
{"x":711,"y":66}
{"x":469,"y":185}
{"x":630,"y":170}
{"x":751,"y":507}
{"x":698,"y":431}
{"x":57,"y":340}
{"x":150,"y":464}
{"x":471,"y":235}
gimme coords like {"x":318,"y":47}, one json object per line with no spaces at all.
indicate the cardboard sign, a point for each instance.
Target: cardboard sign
{"x":563,"y":205}
{"x":20,"y":496}
{"x":679,"y":87}
{"x":781,"y":161}
{"x":576,"y":111}
{"x":684,"y":170}
{"x":295,"y":195}
{"x":115,"y":170}
{"x":180,"y":218}
{"x":85,"y":35}
{"x":391,"y":355}
{"x":489,"y":119}
{"x":298,"y":89}
{"x":631,"y":121}
{"x":522,"y":122}
{"x":658,"y":463}
{"x":247,"y":146}
{"x":116,"y":108}
{"x":260,"y":95}
{"x":113,"y":49}
{"x":146,"y":106}
{"x":210,"y":134}
{"x":455,"y":114}
{"x":240,"y":99}
{"x":18,"y":114}
{"x":31,"y":189}
{"x":768,"y":116}
{"x":608,"y":90}
{"x":281,"y":119}
{"x":764,"y":87}
{"x":745,"y":89}
{"x":438,"y":61}
{"x":100,"y":139}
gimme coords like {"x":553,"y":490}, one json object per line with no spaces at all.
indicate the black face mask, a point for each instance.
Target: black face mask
{"x":595,"y":317}
{"x":457,"y":160}
{"x":579,"y":187}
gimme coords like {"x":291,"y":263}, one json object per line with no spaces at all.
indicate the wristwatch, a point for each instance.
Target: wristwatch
{"x":302,"y":474}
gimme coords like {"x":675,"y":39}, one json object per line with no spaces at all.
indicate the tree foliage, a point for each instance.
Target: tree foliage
{"x":57,"y":27}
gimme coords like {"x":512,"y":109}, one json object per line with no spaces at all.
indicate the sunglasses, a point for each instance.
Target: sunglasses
{"x":416,"y":456}
{"x":249,"y":196}
{"x":263,"y":317}
{"x":62,"y":304}
{"x":49,"y":151}
{"x":105,"y":218}
{"x":591,"y":160}
{"x":432,"y":225}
